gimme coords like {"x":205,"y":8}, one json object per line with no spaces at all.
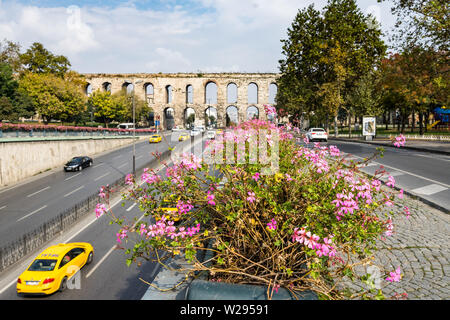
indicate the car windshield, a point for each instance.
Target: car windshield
{"x":318,"y":130}
{"x":155,"y":136}
{"x":42,"y":265}
{"x":76,"y":160}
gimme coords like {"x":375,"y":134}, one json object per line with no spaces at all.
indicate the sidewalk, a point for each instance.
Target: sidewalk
{"x":440,"y":147}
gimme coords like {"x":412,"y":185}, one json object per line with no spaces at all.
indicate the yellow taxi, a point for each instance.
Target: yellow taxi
{"x":219,"y":131}
{"x":53,"y":267}
{"x":183,"y":136}
{"x":168,"y":209}
{"x":155,"y":138}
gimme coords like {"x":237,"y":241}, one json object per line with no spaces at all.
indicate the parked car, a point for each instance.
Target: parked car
{"x":53,"y":267}
{"x":200,"y":128}
{"x":317,"y":134}
{"x":78,"y":163}
{"x":195,"y":132}
{"x":211,"y":134}
{"x":177,"y":128}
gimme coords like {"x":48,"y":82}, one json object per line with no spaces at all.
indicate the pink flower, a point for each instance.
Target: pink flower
{"x":256,"y":176}
{"x":129,"y":179}
{"x":400,"y":195}
{"x":389,"y":227}
{"x":102,"y":193}
{"x":407,"y":212}
{"x":121,"y":234}
{"x":100,"y":209}
{"x":272,"y":225}
{"x":394,"y":276}
{"x":288,"y":177}
{"x":391,"y":181}
{"x":251,"y":197}
{"x":210,"y":198}
{"x":400,"y":141}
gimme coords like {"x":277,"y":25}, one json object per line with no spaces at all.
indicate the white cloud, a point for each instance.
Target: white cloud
{"x":229,"y":35}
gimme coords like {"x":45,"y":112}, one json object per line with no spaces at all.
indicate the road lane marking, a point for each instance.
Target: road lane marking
{"x":31,"y":213}
{"x":123,"y":165}
{"x":119,"y":156}
{"x":100,"y":262}
{"x":131,"y":207}
{"x":98,"y":165}
{"x":139,"y":157}
{"x":413,"y":174}
{"x":104,"y":175}
{"x":2,"y":207}
{"x":72,"y":176}
{"x":429,"y":189}
{"x":32,"y":194}
{"x":71,"y":192}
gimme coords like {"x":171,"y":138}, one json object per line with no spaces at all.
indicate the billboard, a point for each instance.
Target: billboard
{"x":369,"y":126}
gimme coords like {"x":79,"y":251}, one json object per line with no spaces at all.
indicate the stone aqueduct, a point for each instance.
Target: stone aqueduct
{"x":171,"y":96}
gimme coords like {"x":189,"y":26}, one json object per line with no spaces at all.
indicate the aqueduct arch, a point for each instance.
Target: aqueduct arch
{"x":179,"y":91}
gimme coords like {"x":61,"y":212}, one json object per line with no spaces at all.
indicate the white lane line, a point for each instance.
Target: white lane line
{"x":100,"y":262}
{"x":98,"y":165}
{"x":119,"y":156}
{"x":2,"y":207}
{"x":71,"y":192}
{"x":31,"y":213}
{"x":32,"y":194}
{"x":131,"y":207}
{"x":72,"y":176}
{"x":139,"y":157}
{"x":104,"y":175}
{"x":123,"y":165}
{"x":429,"y":189}
{"x":414,"y":175}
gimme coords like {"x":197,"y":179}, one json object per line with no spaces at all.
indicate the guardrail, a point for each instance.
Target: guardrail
{"x":14,"y":251}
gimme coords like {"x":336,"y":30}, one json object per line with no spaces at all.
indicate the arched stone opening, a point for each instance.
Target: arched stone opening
{"x":232,"y":93}
{"x":231,"y":116}
{"x":252,"y":93}
{"x":252,"y":113}
{"x":106,"y":86}
{"x":169,"y":94}
{"x":169,"y":118}
{"x":189,"y":94}
{"x":273,"y":89}
{"x":210,"y":117}
{"x":211,"y":93}
{"x":149,"y":93}
{"x":189,"y":118}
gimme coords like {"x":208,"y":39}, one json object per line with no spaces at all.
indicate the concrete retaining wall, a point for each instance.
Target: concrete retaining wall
{"x":20,"y":160}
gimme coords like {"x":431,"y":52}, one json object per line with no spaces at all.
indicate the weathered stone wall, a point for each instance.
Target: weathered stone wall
{"x":180,"y":82}
{"x":21,"y":160}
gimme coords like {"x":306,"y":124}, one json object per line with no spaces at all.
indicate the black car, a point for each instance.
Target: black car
{"x":78,"y":163}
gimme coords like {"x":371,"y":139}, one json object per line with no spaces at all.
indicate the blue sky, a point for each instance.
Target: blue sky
{"x":162,"y":35}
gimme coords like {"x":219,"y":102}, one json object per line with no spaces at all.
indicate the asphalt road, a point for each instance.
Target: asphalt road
{"x":107,"y":277}
{"x":420,"y":173}
{"x":26,"y":207}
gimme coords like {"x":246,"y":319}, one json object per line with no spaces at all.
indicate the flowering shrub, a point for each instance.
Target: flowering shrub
{"x":297,"y":227}
{"x":29,"y":127}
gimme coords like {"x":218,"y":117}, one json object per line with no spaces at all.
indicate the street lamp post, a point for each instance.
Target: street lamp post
{"x":134,"y":128}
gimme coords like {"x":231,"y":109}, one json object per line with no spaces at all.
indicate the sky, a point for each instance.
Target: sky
{"x":165,"y":36}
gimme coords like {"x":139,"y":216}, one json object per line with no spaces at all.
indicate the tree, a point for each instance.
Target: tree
{"x":37,"y":59}
{"x":53,"y":97}
{"x":425,"y":22}
{"x":14,"y":102}
{"x":126,"y":100}
{"x":325,"y":55}
{"x":106,"y":108}
{"x":10,"y":54}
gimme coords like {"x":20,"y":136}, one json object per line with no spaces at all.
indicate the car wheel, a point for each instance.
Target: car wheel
{"x":90,"y":257}
{"x":63,"y":284}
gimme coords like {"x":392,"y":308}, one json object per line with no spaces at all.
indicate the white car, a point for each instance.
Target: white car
{"x":210,"y":134}
{"x":195,"y":132}
{"x":317,"y":134}
{"x":200,"y":128}
{"x":177,"y":128}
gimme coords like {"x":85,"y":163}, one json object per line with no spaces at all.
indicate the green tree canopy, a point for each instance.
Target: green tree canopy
{"x":38,"y":59}
{"x":325,"y":55}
